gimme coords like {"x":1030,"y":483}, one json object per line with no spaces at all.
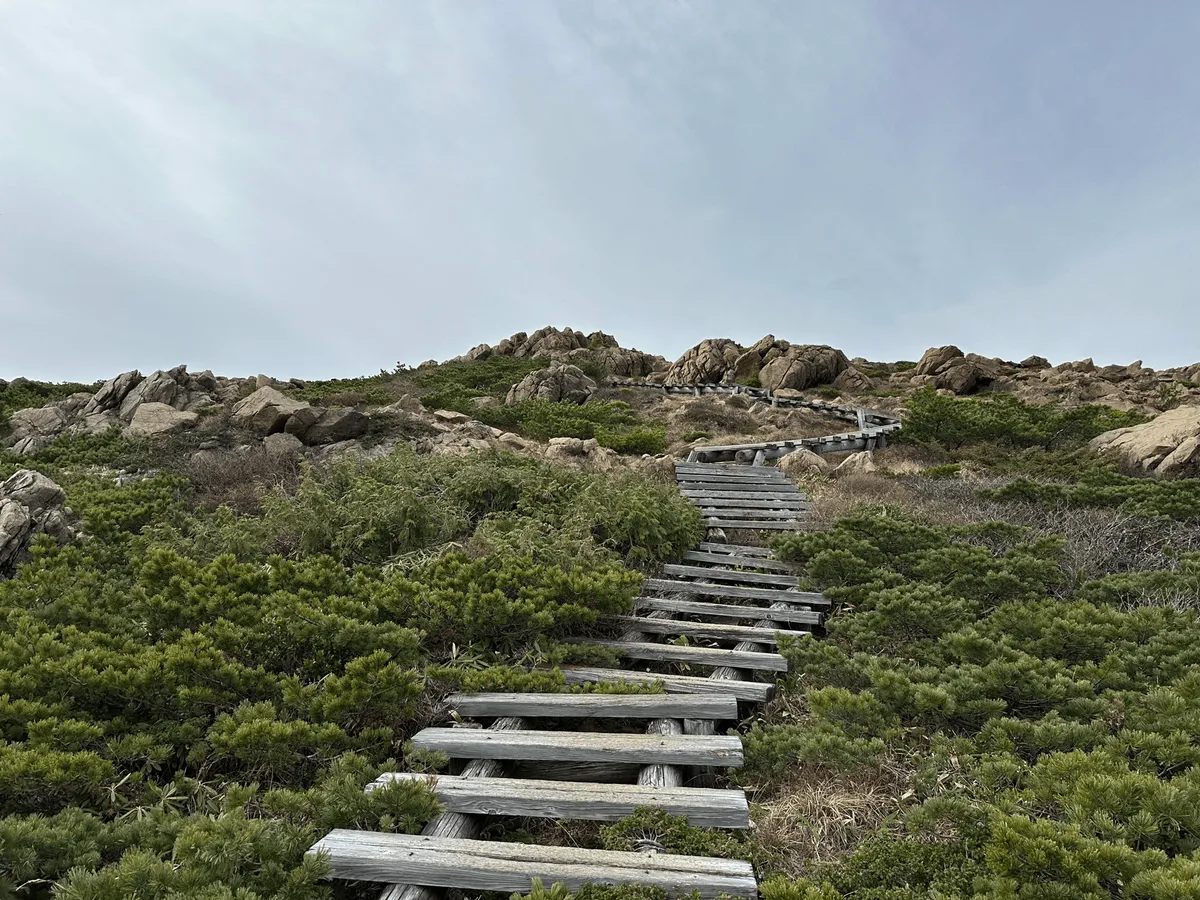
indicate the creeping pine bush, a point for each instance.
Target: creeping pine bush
{"x":1105,"y":488}
{"x":190,"y":698}
{"x":37,"y":393}
{"x":1054,"y":743}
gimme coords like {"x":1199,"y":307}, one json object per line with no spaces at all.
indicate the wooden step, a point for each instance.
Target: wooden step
{"x":742,"y":593}
{"x":752,"y":691}
{"x":722,"y":494}
{"x":735,"y":549}
{"x":596,"y":706}
{"x":718,"y":469}
{"x":723,"y":502}
{"x":794,"y":616}
{"x":741,"y":512}
{"x":731,"y":478}
{"x":753,"y":524}
{"x":704,"y":630}
{"x":719,"y":574}
{"x":583,"y":746}
{"x":704,"y":808}
{"x":703,"y":656}
{"x":728,"y":559}
{"x":492,"y":866}
{"x":704,"y":482}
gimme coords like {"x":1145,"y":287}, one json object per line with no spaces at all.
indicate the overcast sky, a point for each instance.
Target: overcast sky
{"x":316,"y":188}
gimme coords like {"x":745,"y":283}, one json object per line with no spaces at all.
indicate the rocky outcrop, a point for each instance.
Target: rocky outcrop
{"x":33,"y":429}
{"x":571,"y":346}
{"x":315,"y":425}
{"x":706,"y":363}
{"x":801,"y":367}
{"x":803,"y":462}
{"x":1168,"y":446}
{"x":936,"y":357}
{"x":30,"y":504}
{"x":860,"y":463}
{"x":558,"y":383}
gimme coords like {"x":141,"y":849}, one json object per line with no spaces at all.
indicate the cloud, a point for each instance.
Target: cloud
{"x":315,"y":188}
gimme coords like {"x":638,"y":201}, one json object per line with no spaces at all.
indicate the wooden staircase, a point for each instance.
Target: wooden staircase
{"x":730,"y":602}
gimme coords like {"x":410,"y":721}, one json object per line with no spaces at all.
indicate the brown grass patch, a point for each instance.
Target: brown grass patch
{"x":239,"y":478}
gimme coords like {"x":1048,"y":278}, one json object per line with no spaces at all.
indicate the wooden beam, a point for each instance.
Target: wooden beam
{"x":741,"y":512}
{"x":493,"y":866}
{"x":747,"y":562}
{"x":742,"y":593}
{"x":741,"y":502}
{"x":735,"y":549}
{"x":753,"y":691}
{"x":720,"y":574}
{"x":564,"y":800}
{"x":597,"y":705}
{"x":704,"y":630}
{"x":581,"y":746}
{"x":795,"y":615}
{"x":740,"y":495}
{"x":703,"y":656}
{"x":735,"y":484}
{"x":753,"y":524}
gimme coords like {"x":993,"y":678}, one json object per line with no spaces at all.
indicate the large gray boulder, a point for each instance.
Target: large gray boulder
{"x":1168,"y":446}
{"x":155,"y":419}
{"x":936,"y":357}
{"x":32,"y":429}
{"x":706,"y":363}
{"x":315,"y":425}
{"x":113,"y":393}
{"x":559,"y":383}
{"x":803,"y":367}
{"x":30,"y":504}
{"x":159,"y":387}
{"x":266,"y":411}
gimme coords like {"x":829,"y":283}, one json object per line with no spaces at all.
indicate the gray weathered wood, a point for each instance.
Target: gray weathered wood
{"x":722,"y":494}
{"x":708,"y":589}
{"x":452,"y":824}
{"x":595,"y":802}
{"x":663,"y":775}
{"x":702,"y":482}
{"x":754,"y":524}
{"x":580,"y":746}
{"x":735,"y":471}
{"x":741,"y":512}
{"x":599,"y":706}
{"x":742,"y":503}
{"x":796,"y":615}
{"x":753,"y":691}
{"x":747,"y":480}
{"x":597,"y":773}
{"x":735,"y":575}
{"x":747,"y":562}
{"x":707,"y":630}
{"x":703,"y":656}
{"x":493,"y":866}
{"x":735,"y":549}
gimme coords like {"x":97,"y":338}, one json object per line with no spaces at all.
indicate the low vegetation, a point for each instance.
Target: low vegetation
{"x":28,"y":394}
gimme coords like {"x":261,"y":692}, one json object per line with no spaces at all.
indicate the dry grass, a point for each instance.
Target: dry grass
{"x":820,"y":816}
{"x":239,"y":478}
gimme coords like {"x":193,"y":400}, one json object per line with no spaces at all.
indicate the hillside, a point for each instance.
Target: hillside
{"x":232,"y":604}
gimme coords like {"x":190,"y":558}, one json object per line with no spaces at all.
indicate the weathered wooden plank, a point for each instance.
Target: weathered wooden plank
{"x":734,"y":484}
{"x":599,"y":706}
{"x":741,"y":502}
{"x":662,"y":775}
{"x":739,"y":495}
{"x":754,"y":524}
{"x":707,"y":589}
{"x":580,"y":746}
{"x":741,"y":512}
{"x":736,"y":469}
{"x":729,"y":559}
{"x":563,"y":800}
{"x":494,"y":866}
{"x":748,"y":477}
{"x":795,"y":615}
{"x":753,"y":691}
{"x":706,"y":630}
{"x":735,"y":549}
{"x":721,"y":574}
{"x":704,"y":656}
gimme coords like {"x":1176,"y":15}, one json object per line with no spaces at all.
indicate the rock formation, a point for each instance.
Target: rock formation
{"x":1168,"y":446}
{"x":30,"y":504}
{"x":558,"y":383}
{"x":769,"y":363}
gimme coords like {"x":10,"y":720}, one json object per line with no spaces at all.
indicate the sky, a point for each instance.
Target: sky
{"x":314,"y":189}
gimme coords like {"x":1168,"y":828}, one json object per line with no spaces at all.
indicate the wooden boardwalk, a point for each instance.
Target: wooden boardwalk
{"x":728,"y":603}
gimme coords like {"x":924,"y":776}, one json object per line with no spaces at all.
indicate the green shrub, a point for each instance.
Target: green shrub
{"x":37,"y":393}
{"x":1105,"y":488}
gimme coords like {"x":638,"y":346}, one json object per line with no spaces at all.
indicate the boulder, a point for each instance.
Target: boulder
{"x":113,"y":393}
{"x":282,"y":444}
{"x":936,"y":357}
{"x":32,"y":429}
{"x":451,"y":417}
{"x":480,"y":351}
{"x":706,"y":363}
{"x":620,"y":362}
{"x":1168,"y":446}
{"x":266,"y":411}
{"x":1034,"y":362}
{"x":159,"y":387}
{"x":745,"y":368}
{"x":559,"y":383}
{"x":154,"y":419}
{"x":803,"y":367}
{"x":407,"y":403}
{"x":340,"y":423}
{"x":803,"y":462}
{"x":861,"y":463}
{"x":851,"y":380}
{"x":33,"y":490}
{"x":959,"y":376}
{"x":30,"y":504}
